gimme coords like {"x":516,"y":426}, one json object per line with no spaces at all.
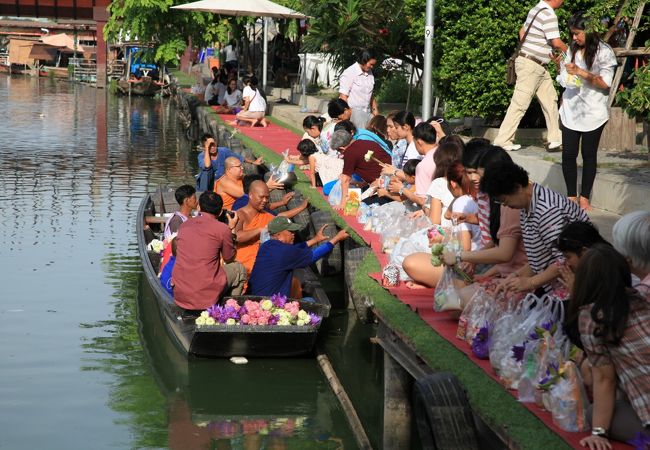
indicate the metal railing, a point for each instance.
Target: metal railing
{"x":84,"y":70}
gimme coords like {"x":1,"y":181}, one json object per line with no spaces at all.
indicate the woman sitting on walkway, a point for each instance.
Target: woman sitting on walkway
{"x":418,"y":265}
{"x":232,"y":99}
{"x":614,"y":329}
{"x":631,"y":237}
{"x":254,"y":107}
{"x":544,"y":215}
{"x":338,"y":110}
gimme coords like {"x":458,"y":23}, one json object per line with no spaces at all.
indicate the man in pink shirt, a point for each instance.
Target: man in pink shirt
{"x":199,"y":276}
{"x":356,"y":85}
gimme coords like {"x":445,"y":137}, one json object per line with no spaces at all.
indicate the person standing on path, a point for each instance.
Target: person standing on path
{"x":586,"y":74}
{"x":355,"y":87}
{"x":532,"y":77}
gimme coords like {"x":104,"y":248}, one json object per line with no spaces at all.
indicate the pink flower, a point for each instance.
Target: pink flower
{"x":233,"y":303}
{"x":245,"y":319}
{"x":263,"y":321}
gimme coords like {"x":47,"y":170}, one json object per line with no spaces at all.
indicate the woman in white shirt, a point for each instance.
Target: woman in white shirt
{"x":254,"y":107}
{"x":230,"y":99}
{"x":586,"y":74}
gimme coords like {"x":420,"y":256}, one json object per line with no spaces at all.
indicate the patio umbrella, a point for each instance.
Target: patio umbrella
{"x":251,"y":8}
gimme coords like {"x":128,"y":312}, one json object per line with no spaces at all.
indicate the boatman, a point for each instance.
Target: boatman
{"x":199,"y":276}
{"x":279,"y":256}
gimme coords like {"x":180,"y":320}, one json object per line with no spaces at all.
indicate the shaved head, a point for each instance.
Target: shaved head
{"x":231,"y":161}
{"x":258,"y":194}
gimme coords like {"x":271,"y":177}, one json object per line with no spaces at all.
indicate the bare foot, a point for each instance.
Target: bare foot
{"x":573,"y":199}
{"x":264,"y":123}
{"x":232,"y":122}
{"x":584,"y":203}
{"x":414,"y":285}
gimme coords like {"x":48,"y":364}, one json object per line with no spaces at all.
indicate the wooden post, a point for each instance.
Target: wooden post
{"x":397,"y":405}
{"x":619,"y":133}
{"x":100,"y":15}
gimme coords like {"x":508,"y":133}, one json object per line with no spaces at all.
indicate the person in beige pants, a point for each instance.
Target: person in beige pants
{"x":539,"y":35}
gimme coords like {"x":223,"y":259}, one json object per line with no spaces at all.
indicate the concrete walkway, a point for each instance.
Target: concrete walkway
{"x":622,"y":183}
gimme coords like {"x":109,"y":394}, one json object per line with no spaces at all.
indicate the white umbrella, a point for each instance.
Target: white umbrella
{"x":253,"y":8}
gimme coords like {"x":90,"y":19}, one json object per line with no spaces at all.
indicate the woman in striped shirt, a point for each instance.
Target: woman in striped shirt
{"x":544,"y":214}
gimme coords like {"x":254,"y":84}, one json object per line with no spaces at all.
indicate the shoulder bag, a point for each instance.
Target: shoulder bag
{"x":511,"y":73}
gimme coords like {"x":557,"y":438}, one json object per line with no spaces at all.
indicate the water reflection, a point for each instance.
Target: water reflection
{"x":263,"y":404}
{"x":83,"y":362}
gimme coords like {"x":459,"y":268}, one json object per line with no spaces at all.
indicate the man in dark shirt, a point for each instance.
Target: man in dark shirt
{"x":355,"y":161}
{"x":277,"y":258}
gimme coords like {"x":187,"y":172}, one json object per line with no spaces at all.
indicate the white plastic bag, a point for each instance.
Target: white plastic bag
{"x":446,"y":296}
{"x":335,"y":194}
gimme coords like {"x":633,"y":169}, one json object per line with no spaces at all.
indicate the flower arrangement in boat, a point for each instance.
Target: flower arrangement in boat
{"x":156,"y":246}
{"x":272,"y":311}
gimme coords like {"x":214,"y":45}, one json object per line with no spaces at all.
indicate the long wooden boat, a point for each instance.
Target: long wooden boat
{"x":222,"y":341}
{"x":145,"y":86}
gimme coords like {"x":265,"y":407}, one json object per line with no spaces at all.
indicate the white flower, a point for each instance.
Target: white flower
{"x":200,"y":320}
{"x":368,"y":155}
{"x":156,"y":246}
{"x":209,"y":321}
{"x":205,"y":314}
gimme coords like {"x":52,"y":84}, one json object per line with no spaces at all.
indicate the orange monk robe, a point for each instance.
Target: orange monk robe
{"x":247,"y":251}
{"x":228,"y":200}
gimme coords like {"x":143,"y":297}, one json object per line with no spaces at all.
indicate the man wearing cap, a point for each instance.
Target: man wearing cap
{"x":279,"y":256}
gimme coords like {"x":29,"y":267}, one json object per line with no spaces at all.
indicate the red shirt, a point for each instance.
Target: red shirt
{"x":354,"y":162}
{"x":198,"y":276}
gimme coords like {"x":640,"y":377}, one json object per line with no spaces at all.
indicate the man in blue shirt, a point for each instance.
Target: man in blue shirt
{"x":273,"y":269}
{"x":212,"y":163}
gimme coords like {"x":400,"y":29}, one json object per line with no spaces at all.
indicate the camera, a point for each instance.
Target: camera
{"x":225,"y":214}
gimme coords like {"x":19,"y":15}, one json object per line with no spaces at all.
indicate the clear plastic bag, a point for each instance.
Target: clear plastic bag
{"x":335,"y":194}
{"x":569,"y":401}
{"x":446,"y":296}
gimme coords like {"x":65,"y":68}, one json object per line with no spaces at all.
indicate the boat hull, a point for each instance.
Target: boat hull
{"x":220,"y":341}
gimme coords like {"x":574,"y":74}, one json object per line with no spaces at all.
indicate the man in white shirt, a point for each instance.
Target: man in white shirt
{"x":532,"y":77}
{"x":355,"y":87}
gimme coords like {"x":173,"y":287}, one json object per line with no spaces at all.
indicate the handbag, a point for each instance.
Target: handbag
{"x":511,"y":73}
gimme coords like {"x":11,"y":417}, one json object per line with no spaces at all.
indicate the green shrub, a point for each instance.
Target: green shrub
{"x":394,"y":89}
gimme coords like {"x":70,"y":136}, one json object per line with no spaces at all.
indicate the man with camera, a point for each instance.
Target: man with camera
{"x":200,"y":276}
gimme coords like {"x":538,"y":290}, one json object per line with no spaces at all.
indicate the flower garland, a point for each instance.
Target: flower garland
{"x":273,"y":311}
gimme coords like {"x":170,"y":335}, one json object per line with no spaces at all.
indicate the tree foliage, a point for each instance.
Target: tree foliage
{"x":342,"y":27}
{"x":151,"y":21}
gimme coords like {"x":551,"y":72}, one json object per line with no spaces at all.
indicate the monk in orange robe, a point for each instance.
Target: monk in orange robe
{"x":253,"y":220}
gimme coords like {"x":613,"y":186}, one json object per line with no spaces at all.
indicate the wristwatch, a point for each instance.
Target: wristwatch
{"x":599,"y":431}
{"x":401,"y":191}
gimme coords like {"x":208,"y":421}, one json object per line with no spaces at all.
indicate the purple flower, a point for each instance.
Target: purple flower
{"x":230,"y":312}
{"x":641,"y":441}
{"x":215,"y":311}
{"x":480,"y":346}
{"x":243,"y":311}
{"x":518,"y":352}
{"x":273,"y":320}
{"x":314,"y":319}
{"x":279,"y":300}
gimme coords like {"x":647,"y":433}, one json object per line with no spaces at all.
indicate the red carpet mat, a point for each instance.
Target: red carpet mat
{"x":279,"y":139}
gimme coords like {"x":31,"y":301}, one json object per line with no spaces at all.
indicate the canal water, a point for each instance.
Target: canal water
{"x":84,"y":361}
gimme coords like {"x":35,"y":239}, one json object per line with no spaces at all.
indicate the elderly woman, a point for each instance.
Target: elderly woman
{"x":614,"y":329}
{"x":631,"y":235}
